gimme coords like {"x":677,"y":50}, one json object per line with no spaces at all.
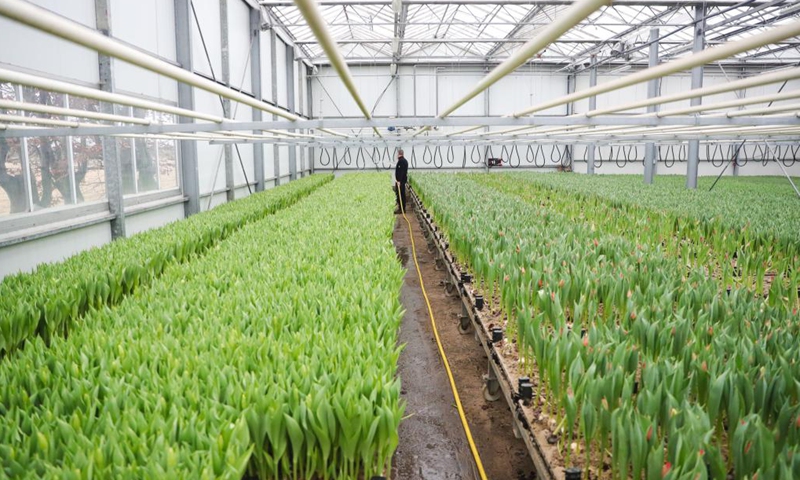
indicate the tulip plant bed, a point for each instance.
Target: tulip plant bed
{"x":646,"y":369}
{"x":272,"y":356}
{"x":742,"y":232}
{"x":48,"y":301}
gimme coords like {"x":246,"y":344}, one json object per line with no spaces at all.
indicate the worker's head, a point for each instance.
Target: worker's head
{"x":400,"y":153}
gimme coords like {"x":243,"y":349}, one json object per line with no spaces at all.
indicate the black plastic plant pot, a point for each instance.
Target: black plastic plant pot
{"x":526,"y":391}
{"x":479,"y":302}
{"x":378,"y":478}
{"x":572,"y":473}
{"x":522,"y":380}
{"x":583,"y":332}
{"x":497,"y":335}
{"x":466,"y":277}
{"x":635,"y":388}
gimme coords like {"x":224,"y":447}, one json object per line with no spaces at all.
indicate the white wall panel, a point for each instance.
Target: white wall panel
{"x":24,"y":257}
{"x":451,"y":88}
{"x":244,"y":114}
{"x":266,"y":66}
{"x":239,"y":38}
{"x":515,"y":92}
{"x":208,"y":15}
{"x":208,"y":155}
{"x":47,"y":54}
{"x":283,"y":155}
{"x":153,"y":219}
{"x":280,"y":64}
{"x":138,"y":81}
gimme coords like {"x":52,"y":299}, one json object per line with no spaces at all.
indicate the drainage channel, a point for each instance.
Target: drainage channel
{"x":501,"y":380}
{"x":432,"y":441}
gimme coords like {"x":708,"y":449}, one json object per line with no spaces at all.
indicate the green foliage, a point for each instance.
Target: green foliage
{"x":273,"y":355}
{"x":49,"y":301}
{"x":704,"y":360}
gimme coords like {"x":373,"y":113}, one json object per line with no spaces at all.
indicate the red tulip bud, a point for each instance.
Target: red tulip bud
{"x":797,"y":422}
{"x":586,"y":344}
{"x":540,"y":283}
{"x":711,"y":330}
{"x":704,"y":366}
{"x":633,"y":315}
{"x":701,"y":452}
{"x":666,"y":469}
{"x":561,"y":283}
{"x":649,"y":433}
{"x":596,"y":243}
{"x":506,"y":278}
{"x":553,"y":296}
{"x":630,"y":294}
{"x":748,"y":447}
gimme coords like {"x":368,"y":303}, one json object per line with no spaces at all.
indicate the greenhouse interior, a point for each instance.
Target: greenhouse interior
{"x":400,"y":239}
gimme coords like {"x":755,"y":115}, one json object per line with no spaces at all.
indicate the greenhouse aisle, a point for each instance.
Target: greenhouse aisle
{"x":432,"y":442}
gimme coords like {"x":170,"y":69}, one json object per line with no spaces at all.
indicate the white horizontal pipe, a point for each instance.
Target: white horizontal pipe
{"x":70,"y":112}
{"x":725,"y":50}
{"x":576,"y":13}
{"x":729,"y":104}
{"x":42,"y":121}
{"x":59,"y":26}
{"x":63,"y":87}
{"x":762,"y":111}
{"x":309,"y":10}
{"x":458,"y":132}
{"x":572,"y":16}
{"x":744,"y":83}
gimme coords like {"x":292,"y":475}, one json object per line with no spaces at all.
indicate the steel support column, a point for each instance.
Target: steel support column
{"x":273,"y":48}
{"x":290,"y":71}
{"x":650,"y":157}
{"x":592,"y":105}
{"x":299,"y":66}
{"x":255,"y":81}
{"x":571,"y":84}
{"x":111,"y":160}
{"x":225,"y":76}
{"x":190,"y":179}
{"x":693,"y":160}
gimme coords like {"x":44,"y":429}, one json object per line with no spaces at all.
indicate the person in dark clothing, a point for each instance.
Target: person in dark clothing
{"x":400,"y":179}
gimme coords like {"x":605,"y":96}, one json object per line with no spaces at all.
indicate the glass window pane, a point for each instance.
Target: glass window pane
{"x":146,"y":156}
{"x":49,"y":171}
{"x":48,"y":156}
{"x":146,"y":165}
{"x":168,"y":164}
{"x":90,"y":176}
{"x":125,"y":150}
{"x":12,"y":182}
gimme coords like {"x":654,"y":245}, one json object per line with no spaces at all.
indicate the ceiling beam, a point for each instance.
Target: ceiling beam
{"x":535,"y":9}
{"x":646,"y":3}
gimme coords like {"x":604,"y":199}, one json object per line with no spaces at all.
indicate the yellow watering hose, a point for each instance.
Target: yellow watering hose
{"x":461,"y":414}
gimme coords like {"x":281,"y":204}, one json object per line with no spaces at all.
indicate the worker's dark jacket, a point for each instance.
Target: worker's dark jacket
{"x":401,"y":171}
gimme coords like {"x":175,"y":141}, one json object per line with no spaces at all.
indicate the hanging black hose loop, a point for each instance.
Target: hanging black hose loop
{"x":514,"y":151}
{"x":451,"y":155}
{"x":718,"y":153}
{"x":555,"y":154}
{"x":413,"y":157}
{"x":539,"y":156}
{"x":347,"y":158}
{"x":622,"y":155}
{"x":475,"y":155}
{"x":438,"y":154}
{"x":361,"y":162}
{"x":427,"y":155}
{"x":325,"y":157}
{"x":386,"y":159}
{"x":376,"y":158}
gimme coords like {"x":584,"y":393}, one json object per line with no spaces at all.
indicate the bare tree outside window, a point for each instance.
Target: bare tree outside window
{"x":12,"y":180}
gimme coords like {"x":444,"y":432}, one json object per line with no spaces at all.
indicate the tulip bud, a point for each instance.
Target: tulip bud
{"x":666,"y":469}
{"x":649,"y":433}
